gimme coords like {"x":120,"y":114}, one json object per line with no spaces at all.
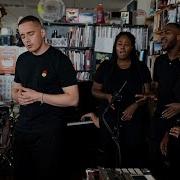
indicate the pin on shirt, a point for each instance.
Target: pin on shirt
{"x":44,"y":73}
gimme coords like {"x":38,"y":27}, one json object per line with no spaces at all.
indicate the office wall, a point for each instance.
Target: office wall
{"x":17,"y":8}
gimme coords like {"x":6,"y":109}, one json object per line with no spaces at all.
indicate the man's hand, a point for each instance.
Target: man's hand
{"x":28,"y":96}
{"x":175,"y":131}
{"x":171,"y":110}
{"x":93,"y":117}
{"x":164,"y":143}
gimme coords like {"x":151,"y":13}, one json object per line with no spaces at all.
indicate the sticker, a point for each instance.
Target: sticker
{"x":44,"y":73}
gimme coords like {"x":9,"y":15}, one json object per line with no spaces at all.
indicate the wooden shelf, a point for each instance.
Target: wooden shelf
{"x":167,"y":7}
{"x":150,"y":18}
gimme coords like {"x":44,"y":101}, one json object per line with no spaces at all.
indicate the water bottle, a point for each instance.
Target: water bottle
{"x":100,"y":14}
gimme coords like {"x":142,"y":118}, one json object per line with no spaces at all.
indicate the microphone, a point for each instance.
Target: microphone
{"x":117,"y":95}
{"x":113,"y":134}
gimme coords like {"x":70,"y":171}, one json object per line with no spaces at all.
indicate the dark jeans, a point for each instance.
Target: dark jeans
{"x":39,"y":154}
{"x":174,"y":157}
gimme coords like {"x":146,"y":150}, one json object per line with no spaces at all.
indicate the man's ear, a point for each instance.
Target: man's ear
{"x":178,"y":37}
{"x":43,"y":32}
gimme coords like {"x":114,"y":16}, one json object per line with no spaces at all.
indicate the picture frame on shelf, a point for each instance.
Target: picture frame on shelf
{"x":59,"y":42}
{"x":126,"y":17}
{"x":72,"y":15}
{"x":157,"y":48}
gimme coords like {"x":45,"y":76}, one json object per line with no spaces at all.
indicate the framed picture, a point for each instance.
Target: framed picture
{"x":72,"y":15}
{"x":126,"y":17}
{"x":157,"y":48}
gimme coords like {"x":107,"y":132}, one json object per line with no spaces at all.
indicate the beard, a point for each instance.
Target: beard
{"x":168,"y":45}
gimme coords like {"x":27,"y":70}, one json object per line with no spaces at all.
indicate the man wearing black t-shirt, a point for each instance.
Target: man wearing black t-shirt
{"x":44,"y":84}
{"x":167,"y":79}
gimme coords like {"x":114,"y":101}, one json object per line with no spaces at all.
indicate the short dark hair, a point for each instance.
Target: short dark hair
{"x":175,"y":25}
{"x":29,"y":18}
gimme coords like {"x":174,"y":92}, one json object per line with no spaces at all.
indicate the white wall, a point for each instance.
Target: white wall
{"x":144,"y":4}
{"x":10,"y":20}
{"x":17,"y":8}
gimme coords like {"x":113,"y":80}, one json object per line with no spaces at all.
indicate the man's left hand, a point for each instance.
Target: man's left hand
{"x":171,"y":110}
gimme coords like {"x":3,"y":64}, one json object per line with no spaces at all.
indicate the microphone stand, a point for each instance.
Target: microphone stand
{"x":112,"y":133}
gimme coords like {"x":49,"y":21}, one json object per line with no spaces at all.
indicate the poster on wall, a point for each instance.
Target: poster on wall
{"x":8,"y":56}
{"x":126,"y":17}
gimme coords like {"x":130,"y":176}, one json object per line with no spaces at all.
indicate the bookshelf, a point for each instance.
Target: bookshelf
{"x":166,"y":15}
{"x":76,"y":40}
{"x":87,"y":45}
{"x":105,"y":36}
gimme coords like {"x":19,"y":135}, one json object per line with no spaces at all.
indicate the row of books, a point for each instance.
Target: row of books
{"x":80,"y":36}
{"x":167,"y":15}
{"x":81,"y":60}
{"x":105,"y":36}
{"x":71,"y":36}
{"x":160,"y":4}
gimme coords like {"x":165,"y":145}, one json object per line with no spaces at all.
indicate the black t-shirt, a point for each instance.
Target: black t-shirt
{"x":112,"y":78}
{"x":167,"y":74}
{"x":47,"y":73}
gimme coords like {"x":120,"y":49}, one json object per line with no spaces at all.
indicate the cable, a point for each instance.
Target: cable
{"x":114,"y":136}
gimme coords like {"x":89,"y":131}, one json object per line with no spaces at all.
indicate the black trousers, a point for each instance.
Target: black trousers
{"x":157,"y":162}
{"x":39,"y":154}
{"x":174,"y":158}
